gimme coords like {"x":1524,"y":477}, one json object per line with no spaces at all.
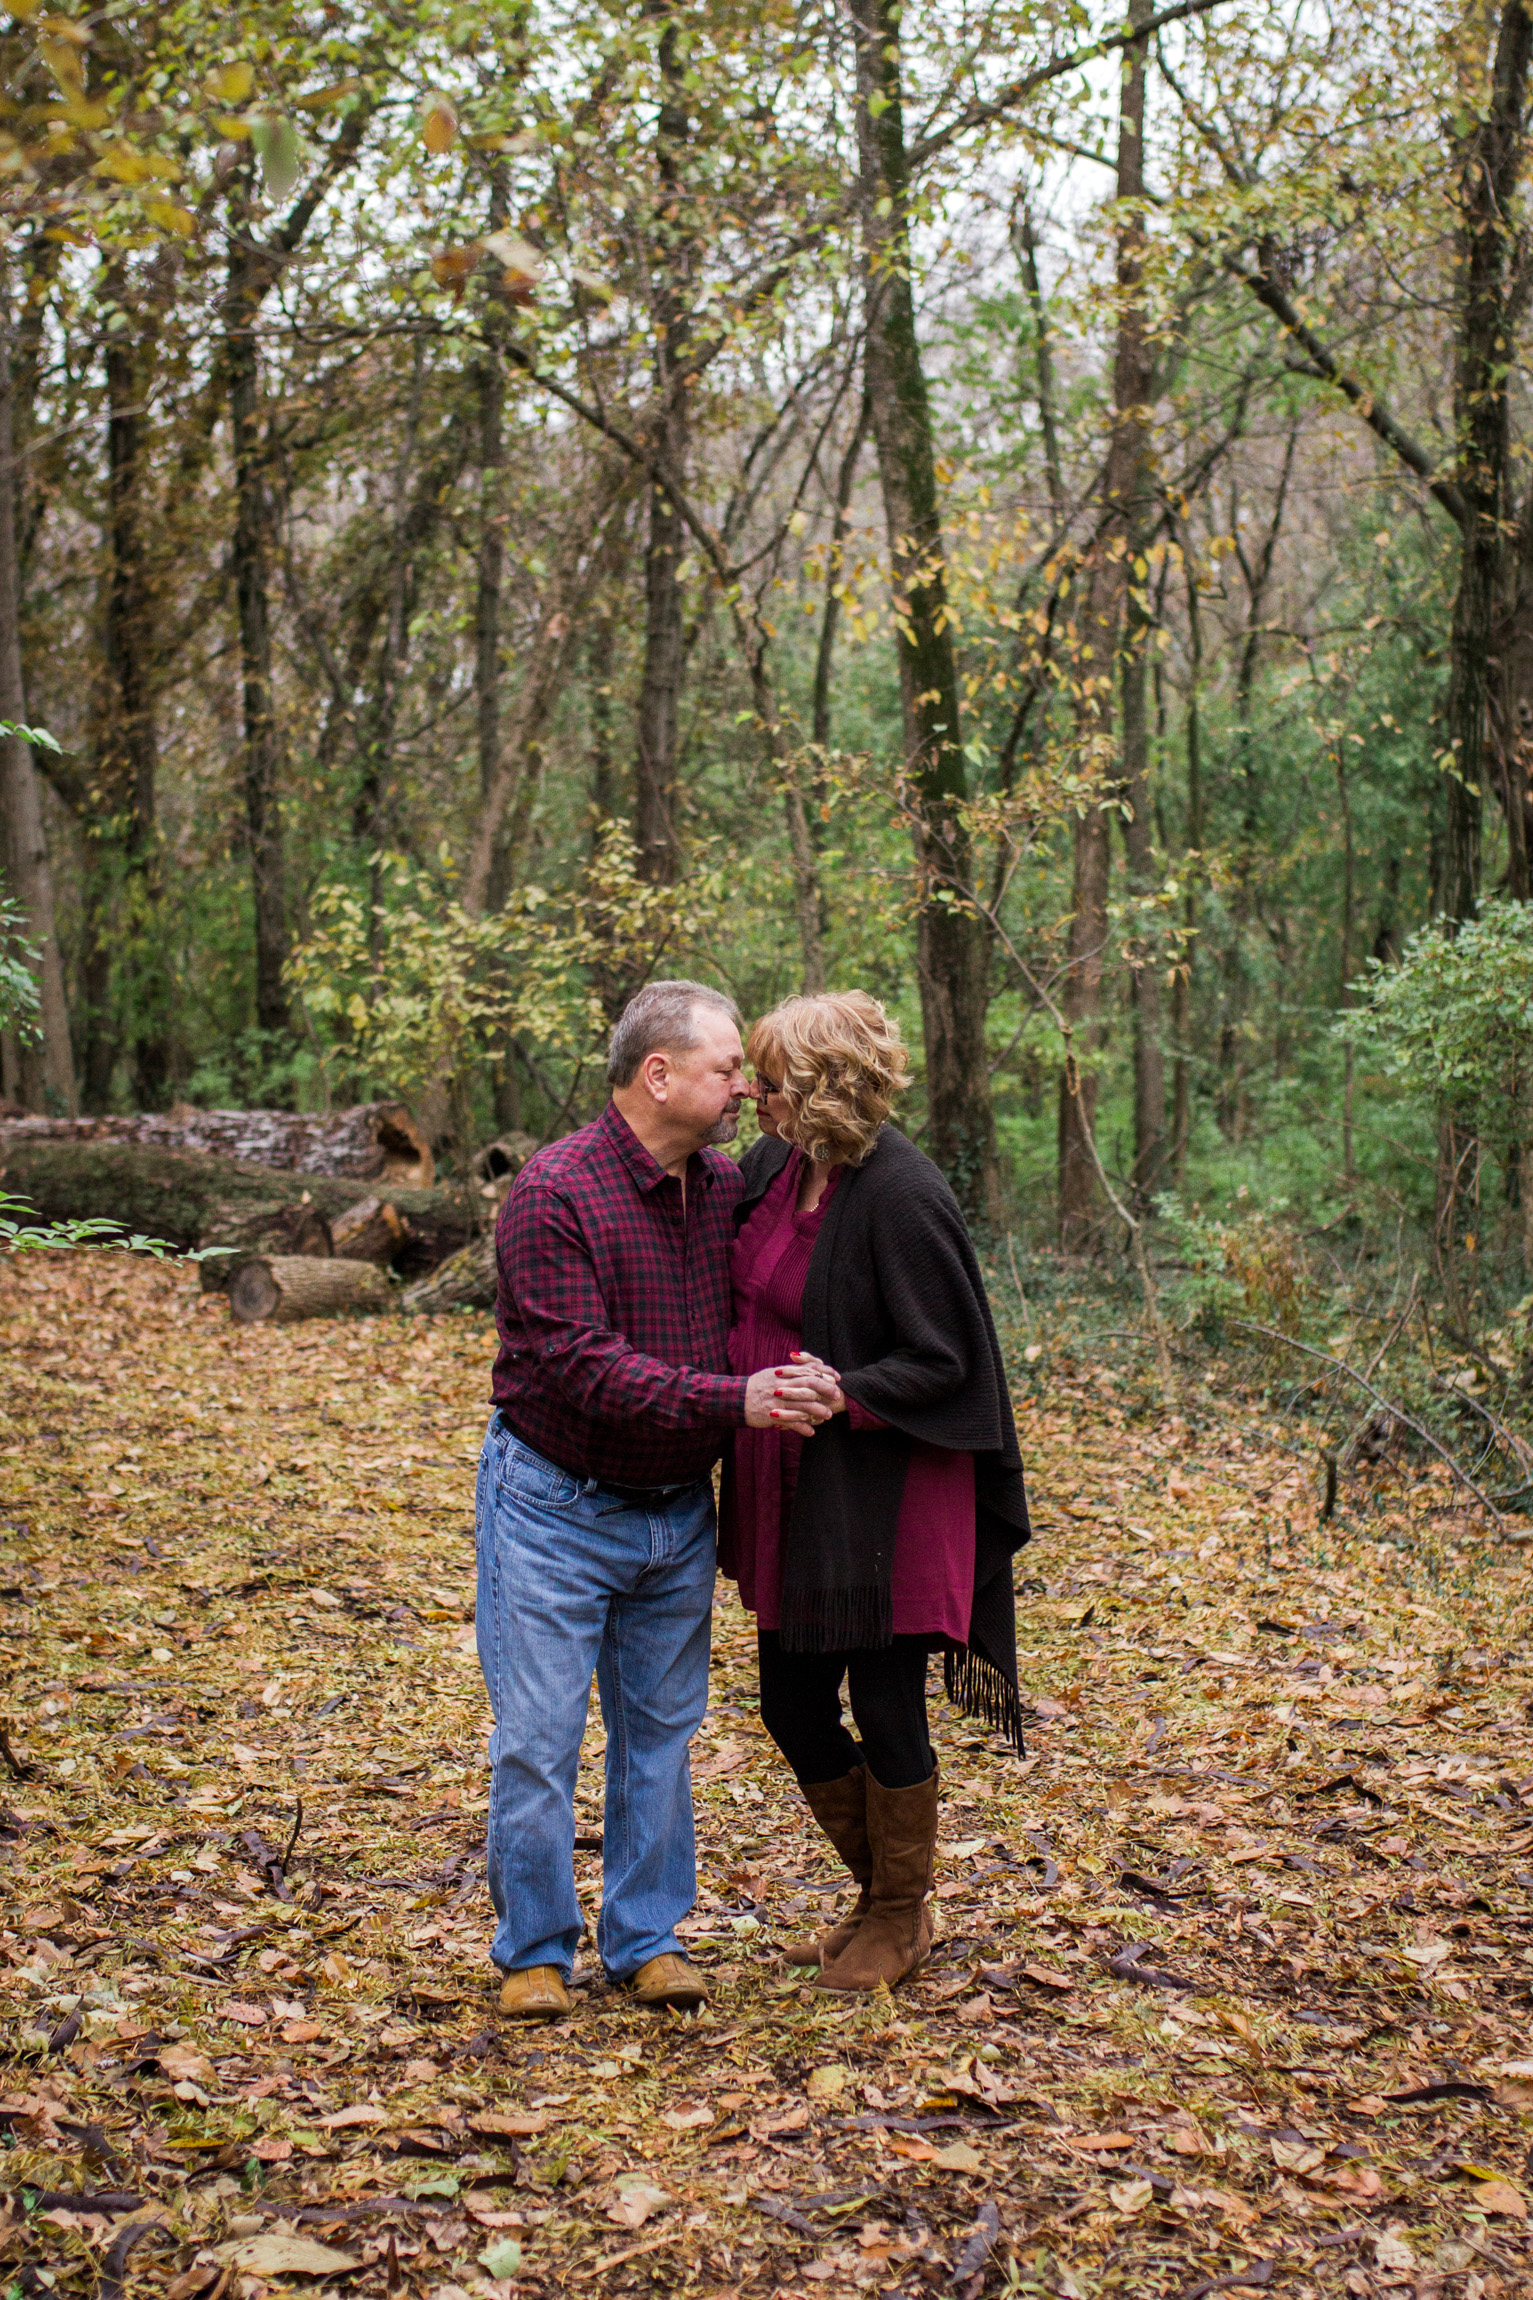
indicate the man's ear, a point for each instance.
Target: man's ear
{"x":655,"y":1072}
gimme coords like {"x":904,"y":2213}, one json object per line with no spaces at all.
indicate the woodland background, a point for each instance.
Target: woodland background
{"x":1022,"y":510}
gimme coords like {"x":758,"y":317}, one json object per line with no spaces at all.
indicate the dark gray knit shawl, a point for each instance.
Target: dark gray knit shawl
{"x":895,"y":1302}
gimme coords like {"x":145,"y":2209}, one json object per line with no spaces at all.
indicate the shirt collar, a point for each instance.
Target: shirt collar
{"x":646,"y":1169}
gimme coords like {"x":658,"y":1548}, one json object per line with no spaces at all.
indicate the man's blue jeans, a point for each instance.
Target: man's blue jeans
{"x":572,"y":1579}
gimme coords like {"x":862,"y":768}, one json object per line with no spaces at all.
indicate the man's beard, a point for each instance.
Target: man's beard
{"x":726,"y":1129}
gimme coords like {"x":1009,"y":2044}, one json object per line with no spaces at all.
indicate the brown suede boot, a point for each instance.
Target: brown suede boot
{"x":895,"y":1937}
{"x":841,"y":1808}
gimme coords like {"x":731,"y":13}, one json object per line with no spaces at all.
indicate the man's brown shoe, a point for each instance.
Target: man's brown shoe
{"x":669,"y":1980}
{"x":537,"y":1992}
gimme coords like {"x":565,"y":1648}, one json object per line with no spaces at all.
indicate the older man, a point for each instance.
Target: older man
{"x":595,"y":1505}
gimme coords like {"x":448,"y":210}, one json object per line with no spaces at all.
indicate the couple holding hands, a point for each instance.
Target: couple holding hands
{"x":815,"y":1315}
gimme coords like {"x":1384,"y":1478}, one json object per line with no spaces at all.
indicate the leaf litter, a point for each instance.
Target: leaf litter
{"x":1232,"y":1981}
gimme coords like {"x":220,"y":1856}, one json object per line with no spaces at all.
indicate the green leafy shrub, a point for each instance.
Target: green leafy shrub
{"x":1454,"y":1018}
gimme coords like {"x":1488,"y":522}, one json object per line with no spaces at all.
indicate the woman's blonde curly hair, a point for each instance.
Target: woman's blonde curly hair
{"x":838,"y":1061}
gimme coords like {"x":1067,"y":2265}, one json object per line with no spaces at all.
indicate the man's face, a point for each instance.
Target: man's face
{"x":706,"y":1085}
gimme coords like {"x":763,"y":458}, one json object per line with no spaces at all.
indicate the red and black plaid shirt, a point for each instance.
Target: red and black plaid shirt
{"x":613,"y":1309}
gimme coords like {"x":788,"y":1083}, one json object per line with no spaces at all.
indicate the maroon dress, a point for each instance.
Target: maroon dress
{"x":933,"y":1586}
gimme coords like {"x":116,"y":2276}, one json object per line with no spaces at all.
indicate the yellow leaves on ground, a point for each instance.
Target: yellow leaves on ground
{"x":190,"y":1654}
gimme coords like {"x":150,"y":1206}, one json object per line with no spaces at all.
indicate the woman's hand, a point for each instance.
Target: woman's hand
{"x":826,"y":1379}
{"x":793,"y":1398}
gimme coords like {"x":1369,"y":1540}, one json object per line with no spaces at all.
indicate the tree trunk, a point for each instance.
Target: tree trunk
{"x":1125,"y":492}
{"x":247,"y":281}
{"x":1348,"y":922}
{"x":1081,"y":992}
{"x":1144,"y":979}
{"x":371,"y":815}
{"x":43,"y":1075}
{"x":674,"y":256}
{"x":131,"y":740}
{"x":279,"y":1289}
{"x":1025,"y":240}
{"x":601,"y":655}
{"x":951,"y":947}
{"x":808,"y":900}
{"x":1490,"y":161}
{"x":1491,"y":158}
{"x":490,"y":378}
{"x":1181,"y":1015}
{"x":1133,"y":392}
{"x":830,"y":613}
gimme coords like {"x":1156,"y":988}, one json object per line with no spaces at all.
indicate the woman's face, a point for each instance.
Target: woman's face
{"x":771,"y":1105}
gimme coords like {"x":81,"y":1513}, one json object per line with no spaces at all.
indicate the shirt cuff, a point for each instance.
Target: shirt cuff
{"x":862,"y":1418}
{"x":722,"y":1396}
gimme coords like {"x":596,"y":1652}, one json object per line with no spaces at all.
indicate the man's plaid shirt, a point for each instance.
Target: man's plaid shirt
{"x":614,"y":1309}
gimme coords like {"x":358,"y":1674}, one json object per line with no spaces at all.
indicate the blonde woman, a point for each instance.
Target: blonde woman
{"x":888,"y":1534}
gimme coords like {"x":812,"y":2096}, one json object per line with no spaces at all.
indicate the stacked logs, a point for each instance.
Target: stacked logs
{"x":287,"y":1241}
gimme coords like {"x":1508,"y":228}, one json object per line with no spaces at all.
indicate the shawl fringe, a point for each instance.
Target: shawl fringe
{"x":977,"y":1688}
{"x":836,"y":1620}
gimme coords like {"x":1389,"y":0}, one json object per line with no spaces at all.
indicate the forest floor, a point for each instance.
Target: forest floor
{"x":1232,"y":1988}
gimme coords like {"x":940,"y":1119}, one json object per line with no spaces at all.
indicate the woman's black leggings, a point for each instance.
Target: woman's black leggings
{"x":801,"y":1709}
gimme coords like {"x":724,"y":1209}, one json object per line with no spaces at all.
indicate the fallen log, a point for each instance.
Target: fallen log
{"x":370,"y":1231}
{"x":465,"y":1281}
{"x":245,"y":1231}
{"x":497,"y":1165}
{"x":279,"y":1289}
{"x":373,"y":1142}
{"x":182,"y":1195}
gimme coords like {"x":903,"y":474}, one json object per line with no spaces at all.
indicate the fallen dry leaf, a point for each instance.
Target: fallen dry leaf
{"x":1047,"y":1977}
{"x":282,"y":2254}
{"x":1129,"y":2196}
{"x":636,"y":2199}
{"x":958,"y":2156}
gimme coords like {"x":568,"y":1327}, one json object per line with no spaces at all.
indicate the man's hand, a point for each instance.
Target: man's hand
{"x":793,"y":1398}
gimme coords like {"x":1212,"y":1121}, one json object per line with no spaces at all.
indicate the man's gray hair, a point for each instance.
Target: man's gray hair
{"x":661,"y":1016}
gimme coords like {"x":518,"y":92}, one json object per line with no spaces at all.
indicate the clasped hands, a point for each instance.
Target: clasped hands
{"x":796,"y":1397}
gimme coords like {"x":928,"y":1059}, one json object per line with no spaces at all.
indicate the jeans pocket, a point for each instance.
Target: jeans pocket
{"x":527,"y":1473}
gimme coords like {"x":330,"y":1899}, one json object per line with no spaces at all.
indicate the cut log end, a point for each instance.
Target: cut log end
{"x":465,"y":1281}
{"x":369,"y":1231}
{"x":279,"y":1289}
{"x":246,"y":1232}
